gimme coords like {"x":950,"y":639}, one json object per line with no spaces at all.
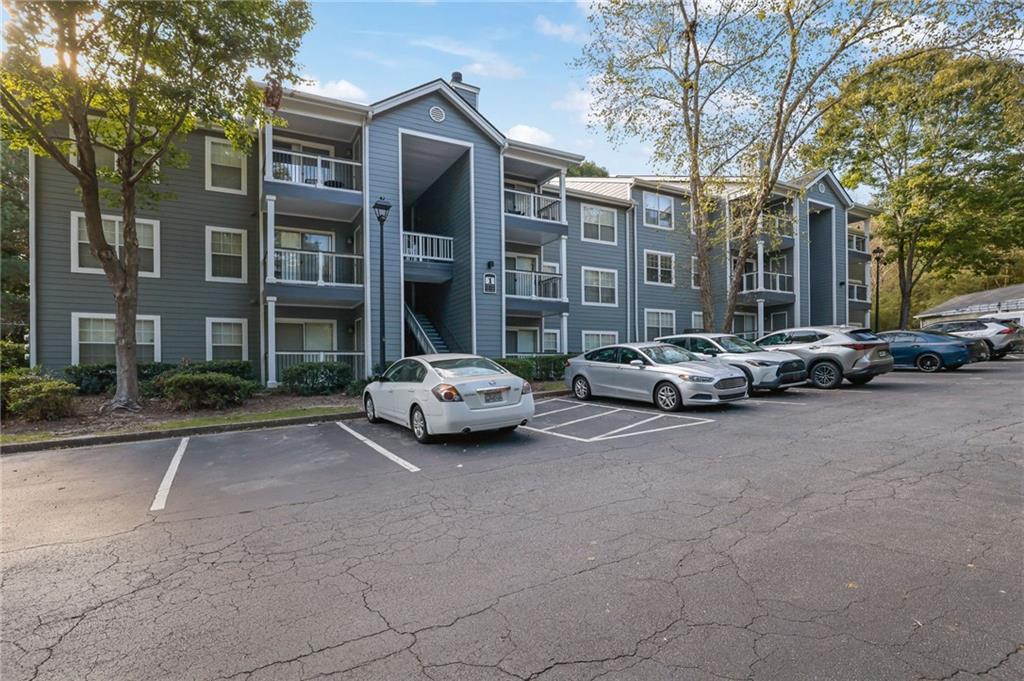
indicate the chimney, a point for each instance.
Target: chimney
{"x":470,"y":93}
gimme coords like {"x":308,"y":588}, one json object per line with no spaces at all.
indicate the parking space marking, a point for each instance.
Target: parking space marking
{"x":785,"y":402}
{"x":377,"y":448}
{"x":698,"y":422}
{"x":633,"y":425}
{"x":682,"y":421}
{"x":555,"y":411}
{"x":608,"y":412}
{"x":160,"y":500}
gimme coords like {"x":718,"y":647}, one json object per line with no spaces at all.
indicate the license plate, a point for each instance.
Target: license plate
{"x":493,"y":396}
{"x":883,"y":353}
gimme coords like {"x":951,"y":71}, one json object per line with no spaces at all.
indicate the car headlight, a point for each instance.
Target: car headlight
{"x":696,"y":379}
{"x":761,"y":363}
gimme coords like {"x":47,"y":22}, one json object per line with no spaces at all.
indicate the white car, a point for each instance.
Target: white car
{"x":776,"y":371}
{"x":449,"y":393}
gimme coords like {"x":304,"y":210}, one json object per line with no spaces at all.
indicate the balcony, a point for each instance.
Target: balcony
{"x":857,"y":243}
{"x":534,"y":206}
{"x":536,"y":285}
{"x":857,"y":292}
{"x":781,"y":225}
{"x":776,"y":282}
{"x":426,"y":247}
{"x":289,"y":359}
{"x":317,"y":267}
{"x":325,"y":172}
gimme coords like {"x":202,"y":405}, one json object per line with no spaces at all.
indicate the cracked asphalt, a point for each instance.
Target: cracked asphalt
{"x":866,"y":534}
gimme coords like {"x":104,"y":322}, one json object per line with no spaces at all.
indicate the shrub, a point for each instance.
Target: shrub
{"x":232,"y":367}
{"x":210,"y":390}
{"x":356,"y":388}
{"x":536,"y":367}
{"x":316,"y":378}
{"x":96,"y":379}
{"x":46,"y":399}
{"x":15,"y":378}
{"x":12,"y":354}
{"x":520,"y":366}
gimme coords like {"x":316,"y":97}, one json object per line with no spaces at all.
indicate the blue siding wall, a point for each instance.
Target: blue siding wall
{"x":824,"y":259}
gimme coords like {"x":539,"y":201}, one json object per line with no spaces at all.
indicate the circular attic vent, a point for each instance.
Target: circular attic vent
{"x":436,"y":114}
{"x":821,"y":187}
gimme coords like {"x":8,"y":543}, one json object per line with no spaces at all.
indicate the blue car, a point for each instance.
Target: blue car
{"x":927,"y":352}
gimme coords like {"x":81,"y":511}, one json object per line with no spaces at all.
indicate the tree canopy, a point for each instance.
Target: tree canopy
{"x":588,"y":168}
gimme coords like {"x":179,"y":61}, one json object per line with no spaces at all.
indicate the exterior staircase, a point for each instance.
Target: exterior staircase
{"x":426,"y":334}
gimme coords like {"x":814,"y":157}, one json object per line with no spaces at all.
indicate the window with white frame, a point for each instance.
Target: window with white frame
{"x":657,"y":211}
{"x":697,"y":320}
{"x":694,"y":272}
{"x":227,"y":338}
{"x":597,"y":339}
{"x":147,"y":232}
{"x":659,"y":323}
{"x":600,"y":287}
{"x":551,"y":340}
{"x":599,"y":224}
{"x":226,"y":254}
{"x":93,"y":336}
{"x":225,"y":167}
{"x":659,"y":268}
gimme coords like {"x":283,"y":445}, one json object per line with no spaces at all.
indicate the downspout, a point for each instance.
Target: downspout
{"x":262,"y":259}
{"x":32,"y":257}
{"x":501,"y":285}
{"x":367,"y":310}
{"x":629,"y":297}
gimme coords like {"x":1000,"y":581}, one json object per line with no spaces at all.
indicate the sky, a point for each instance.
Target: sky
{"x":518,"y":53}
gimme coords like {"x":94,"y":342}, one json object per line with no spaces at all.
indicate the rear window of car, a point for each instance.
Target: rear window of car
{"x":862,"y":335}
{"x":466,"y":366}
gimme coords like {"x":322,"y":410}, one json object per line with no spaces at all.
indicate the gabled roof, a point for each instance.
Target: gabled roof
{"x":565,"y":156}
{"x":443,"y":88}
{"x":809,"y":178}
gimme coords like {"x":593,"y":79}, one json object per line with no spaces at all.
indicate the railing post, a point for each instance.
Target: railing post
{"x":561,"y":197}
{"x":268,"y":146}
{"x":319,"y":268}
{"x":271,"y":341}
{"x":760,"y":263}
{"x":270,"y":239}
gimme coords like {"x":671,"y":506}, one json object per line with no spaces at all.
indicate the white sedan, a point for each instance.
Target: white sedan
{"x":449,"y":393}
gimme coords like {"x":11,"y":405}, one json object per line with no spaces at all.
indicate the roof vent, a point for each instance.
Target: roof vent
{"x":436,"y":114}
{"x":821,"y":187}
{"x":456,"y":76}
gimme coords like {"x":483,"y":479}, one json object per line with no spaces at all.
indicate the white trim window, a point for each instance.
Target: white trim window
{"x":599,"y":224}
{"x":551,"y":342}
{"x":659,"y":323}
{"x":697,"y":320}
{"x":226,"y":256}
{"x":147,"y":232}
{"x":694,"y":272}
{"x":596,"y":339}
{"x":600,"y":286}
{"x":658,"y":211}
{"x":225,"y":167}
{"x":93,"y":336}
{"x":659,"y":268}
{"x":227,"y":338}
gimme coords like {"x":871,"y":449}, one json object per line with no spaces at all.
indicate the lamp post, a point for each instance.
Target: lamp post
{"x":381,"y":209}
{"x":878,"y":252}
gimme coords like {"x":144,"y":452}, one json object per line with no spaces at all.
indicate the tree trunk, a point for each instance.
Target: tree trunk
{"x":125,"y":306}
{"x":702,"y":242}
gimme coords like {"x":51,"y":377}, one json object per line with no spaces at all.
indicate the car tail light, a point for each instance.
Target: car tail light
{"x":567,"y":364}
{"x":527,"y":388}
{"x":446,"y":393}
{"x":860,"y":346}
{"x":1005,"y":331}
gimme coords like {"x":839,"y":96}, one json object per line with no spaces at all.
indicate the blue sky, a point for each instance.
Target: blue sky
{"x":518,"y":53}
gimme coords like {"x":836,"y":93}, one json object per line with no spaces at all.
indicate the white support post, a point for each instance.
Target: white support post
{"x":561,"y":197}
{"x":760,"y":265}
{"x":268,"y":149}
{"x":562,"y":259}
{"x":319,"y":268}
{"x":271,"y":341}
{"x":270,"y":238}
{"x":563,"y":336}
{"x":760,"y":317}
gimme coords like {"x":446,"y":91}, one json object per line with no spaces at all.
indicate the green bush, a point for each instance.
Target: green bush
{"x":356,"y":388}
{"x":43,"y":400}
{"x":197,"y":390}
{"x":15,"y":378}
{"x":12,"y":354}
{"x":316,"y":378}
{"x":96,"y":379}
{"x":536,"y":367}
{"x":520,"y":366}
{"x":232,"y":367}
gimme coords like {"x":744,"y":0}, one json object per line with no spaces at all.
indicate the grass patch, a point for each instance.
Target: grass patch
{"x":17,"y":438}
{"x":543,"y":386}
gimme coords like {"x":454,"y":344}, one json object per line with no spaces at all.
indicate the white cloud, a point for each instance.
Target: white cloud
{"x":338,"y":89}
{"x":530,"y":134}
{"x":484,"y":62}
{"x":566,"y":32}
{"x":577,"y":100}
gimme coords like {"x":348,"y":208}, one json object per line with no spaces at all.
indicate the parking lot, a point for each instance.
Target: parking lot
{"x":867,"y":533}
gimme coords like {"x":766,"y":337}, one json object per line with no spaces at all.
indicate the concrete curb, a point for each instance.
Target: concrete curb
{"x":143,"y":436}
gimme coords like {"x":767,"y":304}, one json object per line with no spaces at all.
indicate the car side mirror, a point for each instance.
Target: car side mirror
{"x":710,"y":351}
{"x":379,"y":378}
{"x":637,"y":363}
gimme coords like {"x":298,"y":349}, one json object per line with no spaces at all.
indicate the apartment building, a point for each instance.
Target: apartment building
{"x":278,"y":256}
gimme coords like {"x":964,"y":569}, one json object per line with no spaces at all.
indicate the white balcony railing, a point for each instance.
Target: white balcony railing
{"x":528,"y":284}
{"x":857,"y":242}
{"x":318,"y":171}
{"x":537,"y":206}
{"x":426,"y":247}
{"x":773,"y":281}
{"x":782,"y":225}
{"x":858,"y":292}
{"x":318,"y":267}
{"x":289,"y":359}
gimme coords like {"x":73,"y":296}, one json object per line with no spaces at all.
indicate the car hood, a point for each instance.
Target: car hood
{"x":712,"y":368}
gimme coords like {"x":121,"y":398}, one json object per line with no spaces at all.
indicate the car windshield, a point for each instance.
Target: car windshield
{"x":466,"y":366}
{"x":737,"y":344}
{"x":669,"y":354}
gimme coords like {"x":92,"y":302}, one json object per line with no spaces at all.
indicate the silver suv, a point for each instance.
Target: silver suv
{"x":775,"y":371}
{"x":1000,"y":337}
{"x":833,"y":353}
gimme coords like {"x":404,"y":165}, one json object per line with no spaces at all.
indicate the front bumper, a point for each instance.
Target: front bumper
{"x":707,"y":393}
{"x":456,"y":417}
{"x":786,"y":380}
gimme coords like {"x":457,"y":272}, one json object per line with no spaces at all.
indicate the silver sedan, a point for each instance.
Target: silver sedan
{"x":665,"y":375}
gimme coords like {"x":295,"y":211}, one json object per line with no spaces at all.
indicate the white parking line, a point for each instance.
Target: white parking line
{"x":633,"y":425}
{"x":599,"y":438}
{"x":609,"y":412}
{"x":377,"y":448}
{"x":795,"y":404}
{"x":555,"y":411}
{"x":160,"y":500}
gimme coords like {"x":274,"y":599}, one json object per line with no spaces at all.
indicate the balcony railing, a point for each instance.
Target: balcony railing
{"x":317,"y":171}
{"x":289,"y":359}
{"x":528,"y":284}
{"x":773,"y":281}
{"x":783,"y":225}
{"x":858,"y":292}
{"x":857,"y":242}
{"x":537,"y":206}
{"x":426,"y":247}
{"x":318,"y":267}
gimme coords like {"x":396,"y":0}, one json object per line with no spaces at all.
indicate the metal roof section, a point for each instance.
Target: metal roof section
{"x":981,"y":302}
{"x":527,"y":151}
{"x":616,"y":188}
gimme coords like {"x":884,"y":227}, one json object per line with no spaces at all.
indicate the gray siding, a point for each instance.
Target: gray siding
{"x":838,"y":250}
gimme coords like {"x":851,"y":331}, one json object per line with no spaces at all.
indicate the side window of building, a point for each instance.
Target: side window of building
{"x":226,"y":254}
{"x":659,"y":268}
{"x":147,"y":233}
{"x":225,"y":167}
{"x":599,"y":224}
{"x":227,"y":338}
{"x":92,"y":338}
{"x":658,"y":211}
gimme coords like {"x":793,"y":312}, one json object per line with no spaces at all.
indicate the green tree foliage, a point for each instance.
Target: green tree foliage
{"x":13,"y":242}
{"x":587,"y":169}
{"x":129,"y":79}
{"x":940,"y":140}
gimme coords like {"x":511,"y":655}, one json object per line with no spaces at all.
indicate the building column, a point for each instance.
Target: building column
{"x":563,"y":335}
{"x":268,"y":152}
{"x":760,"y":317}
{"x":561,"y":196}
{"x":271,"y":341}
{"x":760,"y":265}
{"x":271,"y":199}
{"x":562,"y":259}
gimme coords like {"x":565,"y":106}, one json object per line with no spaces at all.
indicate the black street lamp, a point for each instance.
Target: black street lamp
{"x":878,"y":252}
{"x":381,"y":209}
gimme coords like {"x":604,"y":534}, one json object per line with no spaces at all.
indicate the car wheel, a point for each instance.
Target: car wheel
{"x":861,"y":380}
{"x":997,"y":355}
{"x":826,"y":375}
{"x":581,"y":388}
{"x":929,"y":362}
{"x":371,"y":409}
{"x":750,"y":382}
{"x":666,"y":397}
{"x":418,"y":423}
